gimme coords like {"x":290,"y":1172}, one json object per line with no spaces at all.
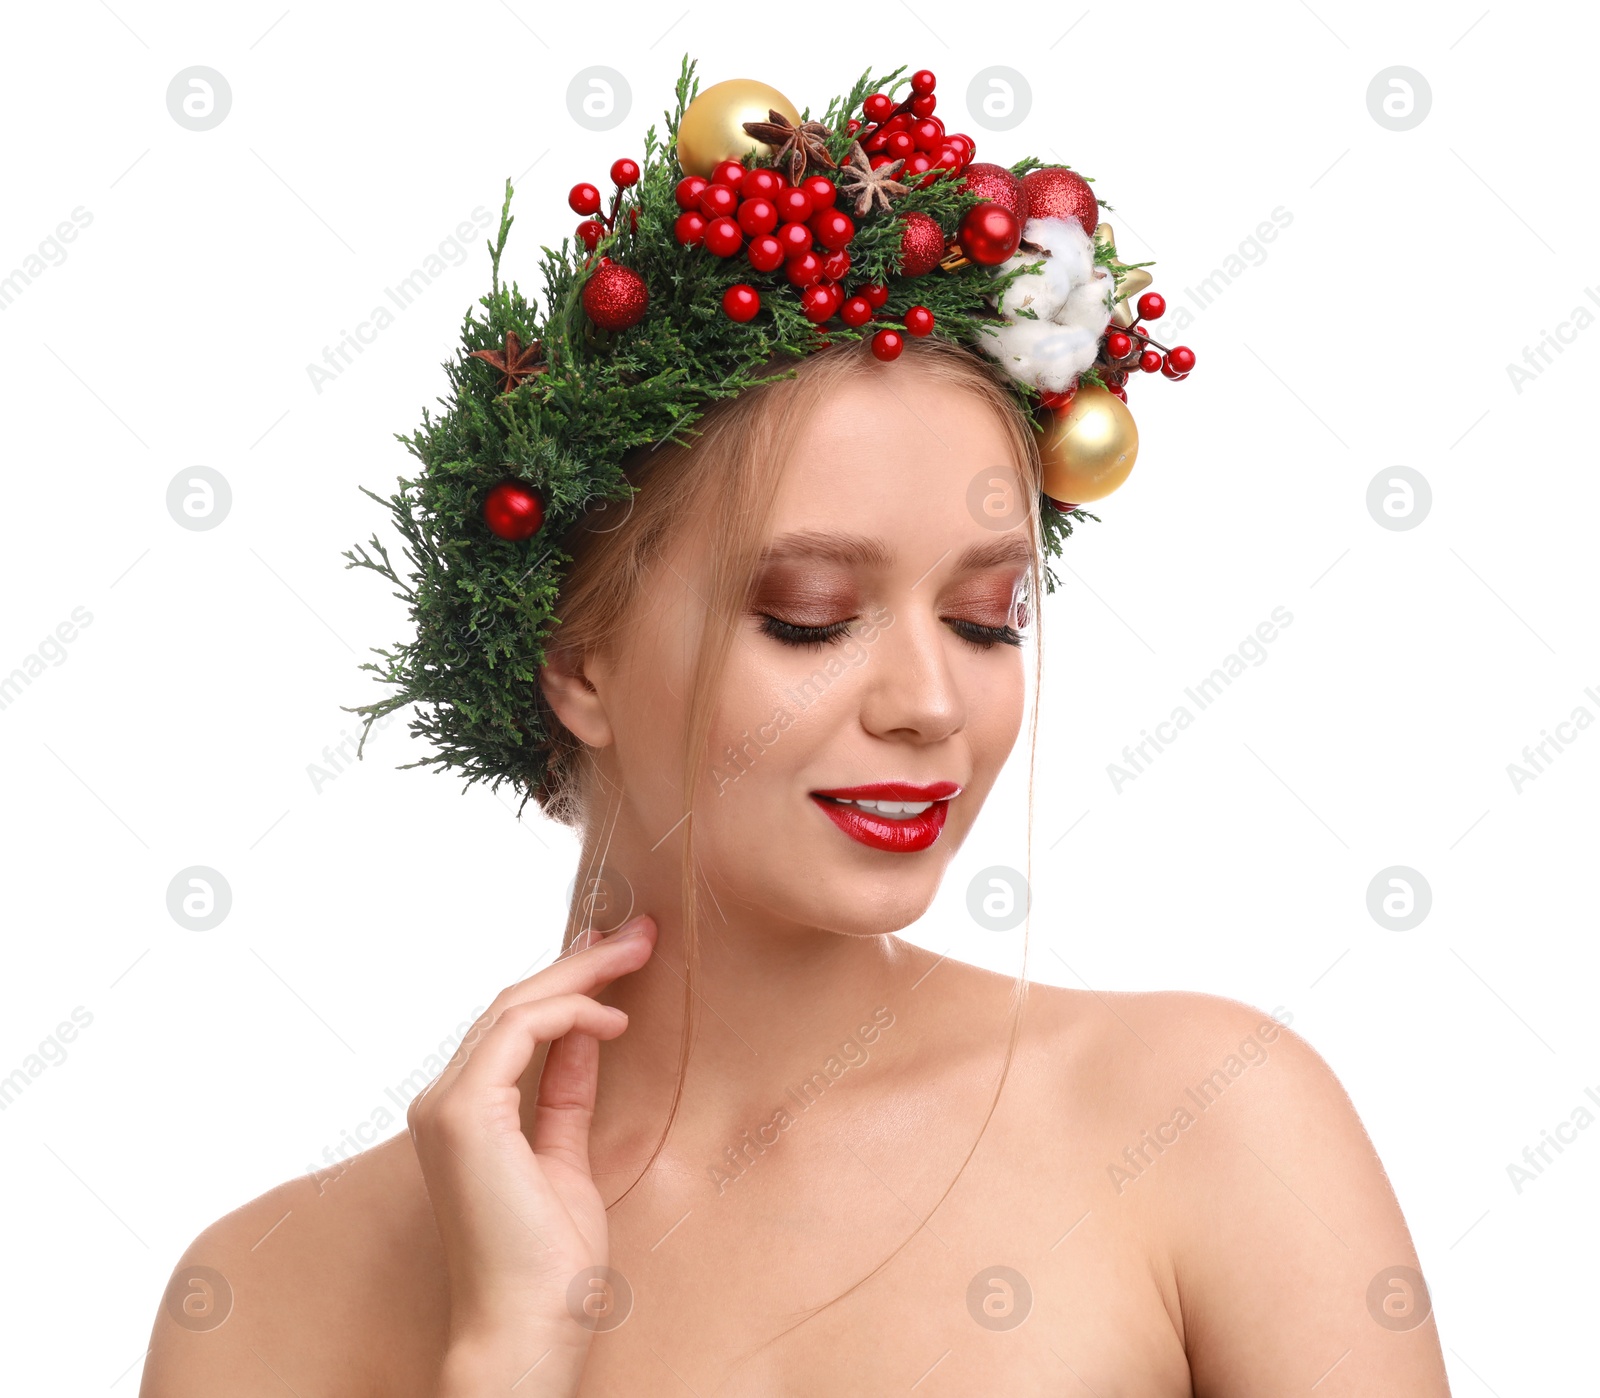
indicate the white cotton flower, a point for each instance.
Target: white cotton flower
{"x":1070,"y":296}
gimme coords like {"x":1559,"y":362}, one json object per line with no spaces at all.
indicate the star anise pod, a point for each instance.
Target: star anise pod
{"x":801,"y":145}
{"x":869,"y":185}
{"x":515,"y":362}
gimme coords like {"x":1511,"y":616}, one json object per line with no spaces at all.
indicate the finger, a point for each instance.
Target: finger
{"x":505,"y":1050}
{"x":585,"y":972}
{"x":564,"y":1109}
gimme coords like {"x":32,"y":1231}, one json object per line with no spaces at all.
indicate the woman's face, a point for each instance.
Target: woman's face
{"x":877,"y":646}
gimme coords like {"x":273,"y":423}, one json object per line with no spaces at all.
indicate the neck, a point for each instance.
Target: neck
{"x":775,"y":1003}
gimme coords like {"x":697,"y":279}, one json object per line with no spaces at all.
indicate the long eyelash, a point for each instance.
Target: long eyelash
{"x":808,"y":636}
{"x":982,"y":637}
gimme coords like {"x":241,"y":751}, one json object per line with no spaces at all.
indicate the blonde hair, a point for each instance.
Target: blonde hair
{"x":725,"y":485}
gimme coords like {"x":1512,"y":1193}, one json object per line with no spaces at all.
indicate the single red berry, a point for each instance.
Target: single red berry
{"x":1167,"y":369}
{"x":758,"y":215}
{"x":1048,"y":398}
{"x":875,"y":143}
{"x":877,"y":107}
{"x":624,"y":172}
{"x":928,"y":133}
{"x":760,"y":181}
{"x":589,"y":231}
{"x":836,"y":265}
{"x":1152,"y":305}
{"x":687,"y":191}
{"x":729,"y":173}
{"x":803,"y":268}
{"x":1119,"y":345}
{"x":689,"y":229}
{"x":833,"y":228}
{"x":922,"y":82}
{"x":898,"y":122}
{"x":584,"y":199}
{"x":1121,"y":393}
{"x":923,"y":106}
{"x":965,"y":144}
{"x":919,"y":320}
{"x":765,"y":253}
{"x":1182,"y":358}
{"x":1150,"y":361}
{"x":948,"y":159}
{"x":876,"y":294}
{"x":795,"y":237}
{"x":856,"y":312}
{"x":834,"y":290}
{"x":879,"y":159}
{"x":722,"y":237}
{"x":900,"y":145}
{"x":718,"y":201}
{"x":852,"y":126}
{"x":816,"y":304}
{"x":741,"y":301}
{"x":794,"y":205}
{"x":887,"y":344}
{"x":822,"y":192}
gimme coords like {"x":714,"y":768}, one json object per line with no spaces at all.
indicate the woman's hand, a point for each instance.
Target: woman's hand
{"x":519,"y":1222}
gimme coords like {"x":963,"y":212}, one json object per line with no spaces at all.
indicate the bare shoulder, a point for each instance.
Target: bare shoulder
{"x":320,"y":1285}
{"x":1240,"y":1150}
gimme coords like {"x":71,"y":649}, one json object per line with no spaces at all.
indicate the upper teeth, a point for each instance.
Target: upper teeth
{"x":889,"y":808}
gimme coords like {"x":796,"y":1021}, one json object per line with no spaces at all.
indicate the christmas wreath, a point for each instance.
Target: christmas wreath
{"x":752,"y":230}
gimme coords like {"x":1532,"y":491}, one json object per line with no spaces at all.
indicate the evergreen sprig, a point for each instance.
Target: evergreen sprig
{"x":482,"y":608}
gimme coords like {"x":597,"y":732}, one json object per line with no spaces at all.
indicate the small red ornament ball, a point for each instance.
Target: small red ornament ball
{"x":688,"y":228}
{"x":998,"y":185}
{"x":923,"y":82}
{"x":816,"y":302}
{"x":765,"y":253}
{"x":887,"y":344}
{"x":878,"y":106}
{"x":615,"y":297}
{"x":718,"y":201}
{"x":583,"y":199}
{"x":1119,"y":345}
{"x":921,"y":245}
{"x":919,"y":321}
{"x":1152,"y":305}
{"x":875,"y":294}
{"x":757,"y":215}
{"x":741,"y":301}
{"x":1057,"y":192}
{"x":856,"y":312}
{"x":833,"y":228}
{"x":512,"y":511}
{"x":1150,"y":361}
{"x":760,"y":182}
{"x":589,"y":232}
{"x":728,"y":172}
{"x":1181,"y":358}
{"x":722,"y":237}
{"x":989,"y":234}
{"x":624,"y":172}
{"x":822,"y":191}
{"x":688,"y":190}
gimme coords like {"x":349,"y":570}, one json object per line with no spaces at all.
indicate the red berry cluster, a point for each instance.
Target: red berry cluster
{"x":585,"y":199}
{"x":801,"y":229}
{"x":1121,"y":346}
{"x":909,"y":131}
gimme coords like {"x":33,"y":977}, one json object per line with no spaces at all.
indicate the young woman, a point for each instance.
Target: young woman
{"x":753,"y":1143}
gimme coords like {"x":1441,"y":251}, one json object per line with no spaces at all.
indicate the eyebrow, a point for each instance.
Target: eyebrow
{"x":870,"y":552}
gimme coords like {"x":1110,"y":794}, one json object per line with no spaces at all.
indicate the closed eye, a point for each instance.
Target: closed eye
{"x":810,"y":637}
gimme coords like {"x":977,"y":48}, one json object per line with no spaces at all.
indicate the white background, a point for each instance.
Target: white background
{"x":371,"y":917}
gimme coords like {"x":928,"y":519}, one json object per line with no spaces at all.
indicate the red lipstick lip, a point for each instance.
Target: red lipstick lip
{"x":896,"y":835}
{"x":894,"y":791}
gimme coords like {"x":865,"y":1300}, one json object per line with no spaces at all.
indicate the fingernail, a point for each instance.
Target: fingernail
{"x":631,"y":928}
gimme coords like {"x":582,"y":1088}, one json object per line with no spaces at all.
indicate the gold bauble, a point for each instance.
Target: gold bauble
{"x":712,"y":128}
{"x":1088,"y":447}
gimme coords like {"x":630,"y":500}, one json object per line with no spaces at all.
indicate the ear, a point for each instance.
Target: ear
{"x":576,"y":701}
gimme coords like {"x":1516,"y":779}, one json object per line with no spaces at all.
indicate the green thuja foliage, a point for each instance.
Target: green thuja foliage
{"x":481,"y":607}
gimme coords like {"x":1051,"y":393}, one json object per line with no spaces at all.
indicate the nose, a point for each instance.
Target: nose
{"x":911,"y":691}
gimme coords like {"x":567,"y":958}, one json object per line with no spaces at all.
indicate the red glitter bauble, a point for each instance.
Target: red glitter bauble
{"x":998,"y":185}
{"x":512,"y":511}
{"x":615,"y":297}
{"x":921,"y":245}
{"x":1057,"y":192}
